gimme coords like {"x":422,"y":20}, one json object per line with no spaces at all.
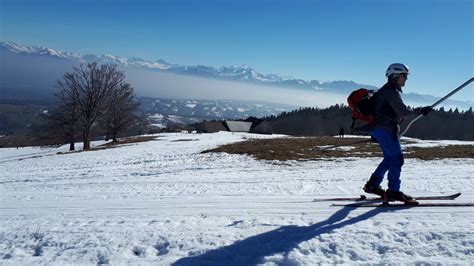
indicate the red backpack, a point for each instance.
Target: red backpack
{"x":361,"y":102}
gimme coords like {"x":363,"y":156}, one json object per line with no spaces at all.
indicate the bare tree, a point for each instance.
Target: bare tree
{"x":66,"y":116}
{"x":120,"y":113}
{"x":63,"y":121}
{"x":86,"y":90}
{"x":63,"y":125}
{"x":95,"y":83}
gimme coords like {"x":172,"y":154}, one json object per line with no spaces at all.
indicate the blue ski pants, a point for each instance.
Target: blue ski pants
{"x":392,"y":159}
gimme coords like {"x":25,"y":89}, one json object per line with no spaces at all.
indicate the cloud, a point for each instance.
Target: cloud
{"x":166,"y":85}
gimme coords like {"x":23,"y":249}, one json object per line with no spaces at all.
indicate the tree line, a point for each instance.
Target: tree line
{"x":92,"y":98}
{"x":439,"y":124}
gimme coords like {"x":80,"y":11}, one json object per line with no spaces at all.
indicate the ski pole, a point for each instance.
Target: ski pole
{"x":438,"y":102}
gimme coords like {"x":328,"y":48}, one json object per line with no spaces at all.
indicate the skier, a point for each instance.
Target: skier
{"x":389,"y":111}
{"x":341,"y":132}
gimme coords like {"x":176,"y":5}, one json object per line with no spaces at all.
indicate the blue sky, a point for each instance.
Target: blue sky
{"x":324,"y":40}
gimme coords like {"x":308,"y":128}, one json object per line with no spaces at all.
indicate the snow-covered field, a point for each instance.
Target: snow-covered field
{"x":163,"y":202}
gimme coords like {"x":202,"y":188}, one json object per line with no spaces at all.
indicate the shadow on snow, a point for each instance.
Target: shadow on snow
{"x":251,"y":251}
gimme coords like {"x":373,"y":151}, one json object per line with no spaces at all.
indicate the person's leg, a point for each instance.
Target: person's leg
{"x":394,"y":171}
{"x":379,"y":173}
{"x":373,"y":185}
{"x":393,"y":157}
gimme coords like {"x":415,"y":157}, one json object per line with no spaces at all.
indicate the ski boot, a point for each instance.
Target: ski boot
{"x":399,"y":196}
{"x":369,"y":188}
{"x":374,"y":190}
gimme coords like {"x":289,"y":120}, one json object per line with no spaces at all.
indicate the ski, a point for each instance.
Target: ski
{"x":402,"y":205}
{"x":365,"y":198}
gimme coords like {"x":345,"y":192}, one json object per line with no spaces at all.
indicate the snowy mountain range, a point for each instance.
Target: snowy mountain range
{"x":236,"y":73}
{"x":31,"y":71}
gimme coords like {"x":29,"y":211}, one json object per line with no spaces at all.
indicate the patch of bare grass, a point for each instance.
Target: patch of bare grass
{"x":121,"y":141}
{"x":314,"y":148}
{"x":126,"y":140}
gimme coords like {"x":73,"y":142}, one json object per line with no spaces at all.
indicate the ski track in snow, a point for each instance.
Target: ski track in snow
{"x":163,"y":202}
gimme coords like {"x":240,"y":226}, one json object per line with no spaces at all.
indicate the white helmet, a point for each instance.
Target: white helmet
{"x":396,"y":69}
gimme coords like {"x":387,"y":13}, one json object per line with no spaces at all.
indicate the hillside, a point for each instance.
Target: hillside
{"x":165,"y":202}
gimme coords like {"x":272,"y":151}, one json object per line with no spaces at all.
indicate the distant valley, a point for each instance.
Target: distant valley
{"x":164,"y":112}
{"x":23,"y":116}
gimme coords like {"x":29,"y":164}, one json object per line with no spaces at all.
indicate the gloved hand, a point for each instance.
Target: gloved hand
{"x":425,"y":110}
